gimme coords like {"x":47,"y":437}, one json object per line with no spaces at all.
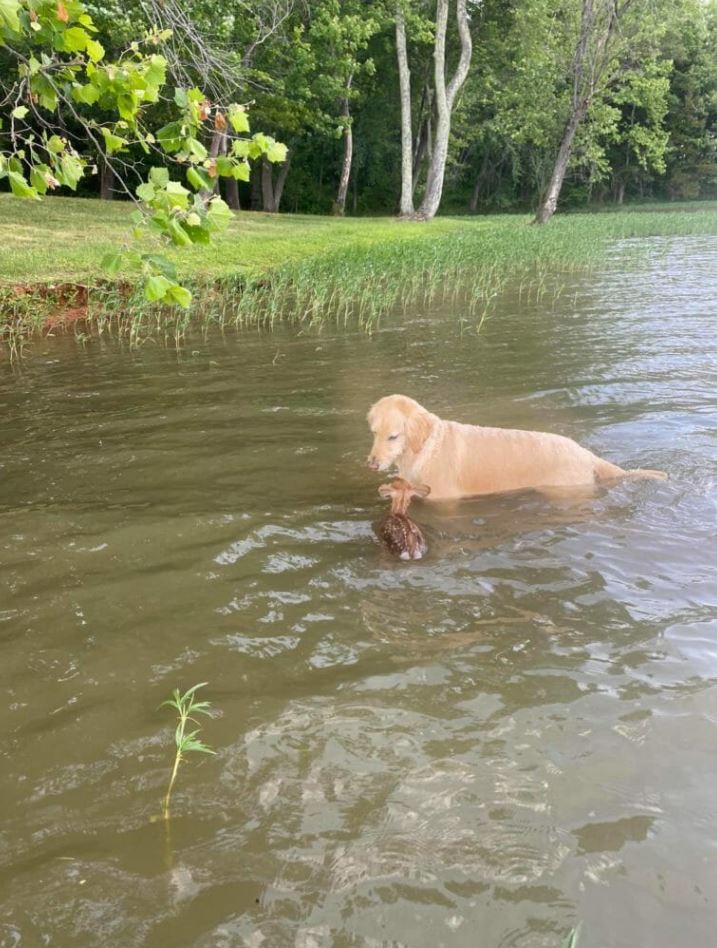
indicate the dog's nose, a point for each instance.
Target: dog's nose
{"x":373,"y":463}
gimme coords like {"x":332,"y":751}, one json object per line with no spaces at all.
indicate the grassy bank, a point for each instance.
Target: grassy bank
{"x":304,"y":268}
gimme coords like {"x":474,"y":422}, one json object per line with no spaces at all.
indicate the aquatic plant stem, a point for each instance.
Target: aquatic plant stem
{"x":185,"y":706}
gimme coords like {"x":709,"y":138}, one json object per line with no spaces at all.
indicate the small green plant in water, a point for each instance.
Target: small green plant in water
{"x":571,"y":940}
{"x":186,"y":706}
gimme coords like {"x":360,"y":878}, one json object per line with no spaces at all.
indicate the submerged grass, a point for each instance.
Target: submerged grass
{"x":304,"y":269}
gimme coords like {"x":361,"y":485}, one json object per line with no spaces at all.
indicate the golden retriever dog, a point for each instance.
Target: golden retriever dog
{"x":456,"y":460}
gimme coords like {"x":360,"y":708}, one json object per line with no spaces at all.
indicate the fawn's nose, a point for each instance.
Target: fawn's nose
{"x":373,"y":462}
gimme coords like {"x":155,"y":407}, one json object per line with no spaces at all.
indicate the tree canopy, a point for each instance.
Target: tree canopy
{"x":155,"y":96}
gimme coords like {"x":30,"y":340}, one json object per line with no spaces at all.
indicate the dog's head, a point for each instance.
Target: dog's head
{"x":399,"y":426}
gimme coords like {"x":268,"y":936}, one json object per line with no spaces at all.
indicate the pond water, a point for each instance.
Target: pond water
{"x":512,"y":736}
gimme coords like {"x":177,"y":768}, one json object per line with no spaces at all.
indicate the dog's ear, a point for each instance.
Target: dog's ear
{"x":420,"y":490}
{"x":418,"y":427}
{"x":386,"y":490}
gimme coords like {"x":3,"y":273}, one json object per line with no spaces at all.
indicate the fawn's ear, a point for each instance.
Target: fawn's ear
{"x":418,"y":427}
{"x":420,"y":490}
{"x":386,"y":490}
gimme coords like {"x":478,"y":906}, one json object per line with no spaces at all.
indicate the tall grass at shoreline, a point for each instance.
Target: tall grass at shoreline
{"x":473,"y":265}
{"x":357,"y":272}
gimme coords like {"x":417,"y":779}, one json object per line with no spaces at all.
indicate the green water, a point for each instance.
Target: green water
{"x":484,"y":748}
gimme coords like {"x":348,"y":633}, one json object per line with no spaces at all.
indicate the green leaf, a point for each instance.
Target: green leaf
{"x":95,"y":50}
{"x":20,"y":112}
{"x":171,"y":136}
{"x":113,"y":143}
{"x":38,"y":178}
{"x":224,"y":166}
{"x":179,"y":235}
{"x":199,"y":179}
{"x":196,"y":149}
{"x":261,"y":142}
{"x":276,"y":152}
{"x":181,"y":295}
{"x":159,"y":176}
{"x":155,"y":288}
{"x":111,"y":262}
{"x":190,"y":691}
{"x":241,"y":147}
{"x":88,"y":94}
{"x":146,"y":191}
{"x":200,"y":234}
{"x":156,"y":73}
{"x":238,"y":119}
{"x":162,"y":264}
{"x":219,"y":213}
{"x":127,"y":106}
{"x":20,"y":187}
{"x":71,"y":171}
{"x":41,"y":87}
{"x":242,"y":171}
{"x":9,"y":10}
{"x":177,"y":193}
{"x":55,"y":144}
{"x":74,"y":40}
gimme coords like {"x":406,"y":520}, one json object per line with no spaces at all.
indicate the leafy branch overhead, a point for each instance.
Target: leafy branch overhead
{"x":65,"y":104}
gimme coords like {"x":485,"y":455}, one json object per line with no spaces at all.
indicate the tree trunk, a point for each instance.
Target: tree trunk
{"x":445,"y":97}
{"x":217,"y":146}
{"x":255,"y":187}
{"x":404,"y":81}
{"x":549,"y":203}
{"x":475,"y":196}
{"x":231,"y":193}
{"x":590,"y":61}
{"x":424,"y":145}
{"x":272,"y":190}
{"x":340,"y":205}
{"x":268,"y":201}
{"x":281,"y":181}
{"x":107,"y":180}
{"x":420,"y":152}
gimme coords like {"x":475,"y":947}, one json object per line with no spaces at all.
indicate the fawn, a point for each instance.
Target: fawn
{"x":398,"y":533}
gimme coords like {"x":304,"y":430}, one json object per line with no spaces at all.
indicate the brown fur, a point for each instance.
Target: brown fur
{"x":398,"y":533}
{"x":457,"y":460}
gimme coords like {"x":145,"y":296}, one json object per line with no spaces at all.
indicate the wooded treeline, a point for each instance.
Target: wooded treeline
{"x":406,"y":106}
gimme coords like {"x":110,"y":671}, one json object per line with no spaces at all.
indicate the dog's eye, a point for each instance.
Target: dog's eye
{"x":392,"y":437}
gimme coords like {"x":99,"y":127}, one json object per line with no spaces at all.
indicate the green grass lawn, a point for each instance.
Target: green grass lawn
{"x":307,"y":269}
{"x":64,"y":239}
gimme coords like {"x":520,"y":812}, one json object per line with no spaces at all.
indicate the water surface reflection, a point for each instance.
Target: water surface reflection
{"x":482,"y":747}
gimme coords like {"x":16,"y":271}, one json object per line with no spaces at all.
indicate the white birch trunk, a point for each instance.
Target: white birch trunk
{"x":404,"y":78}
{"x":445,"y":97}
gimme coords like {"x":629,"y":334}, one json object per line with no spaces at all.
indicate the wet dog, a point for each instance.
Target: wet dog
{"x":457,"y":460}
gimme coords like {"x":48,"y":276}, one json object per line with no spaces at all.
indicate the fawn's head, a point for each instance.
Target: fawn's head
{"x":400,"y":492}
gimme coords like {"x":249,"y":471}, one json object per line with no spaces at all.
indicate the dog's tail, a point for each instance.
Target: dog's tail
{"x":646,"y":472}
{"x":605,"y":471}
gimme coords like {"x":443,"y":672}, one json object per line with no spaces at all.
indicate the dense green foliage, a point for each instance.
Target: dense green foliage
{"x":68,"y":104}
{"x":311,"y":69}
